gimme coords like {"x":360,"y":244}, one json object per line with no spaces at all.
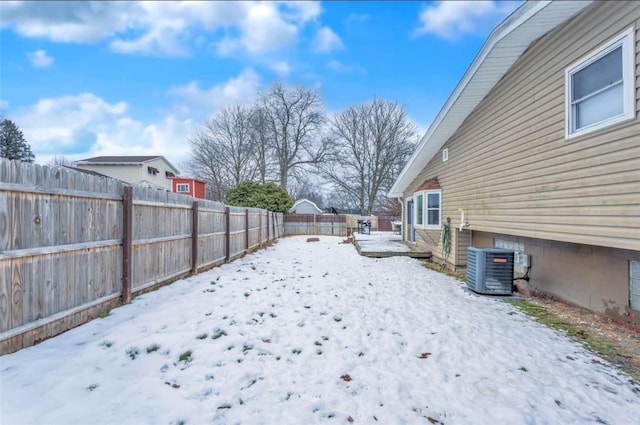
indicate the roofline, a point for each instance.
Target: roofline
{"x":299,"y":201}
{"x":428,"y":145}
{"x":109,"y":163}
{"x":85,"y":162}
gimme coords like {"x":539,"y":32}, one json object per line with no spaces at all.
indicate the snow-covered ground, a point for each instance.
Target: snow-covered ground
{"x":381,"y":242}
{"x":304,"y":333}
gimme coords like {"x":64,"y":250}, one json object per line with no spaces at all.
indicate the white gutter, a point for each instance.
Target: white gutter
{"x":514,"y":35}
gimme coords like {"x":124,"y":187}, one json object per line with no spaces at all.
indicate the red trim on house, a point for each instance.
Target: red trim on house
{"x":429,"y":184}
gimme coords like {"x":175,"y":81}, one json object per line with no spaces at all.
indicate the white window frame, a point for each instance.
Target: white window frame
{"x":425,"y":216}
{"x":627,"y":41}
{"x":445,"y":155}
{"x":178,"y":185}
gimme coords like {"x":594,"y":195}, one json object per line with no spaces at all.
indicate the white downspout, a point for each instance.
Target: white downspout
{"x":463,"y":223}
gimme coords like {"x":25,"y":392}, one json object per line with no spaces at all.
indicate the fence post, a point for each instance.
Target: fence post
{"x":246,"y":226}
{"x":260,"y":229}
{"x":127,"y":243}
{"x":194,"y":238}
{"x":227,"y":236}
{"x":268,"y":230}
{"x":276,"y":235}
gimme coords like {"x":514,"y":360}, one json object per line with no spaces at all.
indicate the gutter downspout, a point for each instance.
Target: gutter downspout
{"x":463,"y":223}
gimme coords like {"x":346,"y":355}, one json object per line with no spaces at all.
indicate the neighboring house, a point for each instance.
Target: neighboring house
{"x":153,"y":171}
{"x":538,"y":147}
{"x":189,"y":186}
{"x":304,"y":206}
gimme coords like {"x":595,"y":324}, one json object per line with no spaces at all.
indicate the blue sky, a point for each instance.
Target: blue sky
{"x":128,"y":78}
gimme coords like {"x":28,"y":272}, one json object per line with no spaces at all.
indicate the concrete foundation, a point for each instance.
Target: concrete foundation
{"x":589,"y":276}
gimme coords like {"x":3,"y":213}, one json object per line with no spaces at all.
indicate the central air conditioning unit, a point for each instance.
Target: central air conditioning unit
{"x":490,"y":270}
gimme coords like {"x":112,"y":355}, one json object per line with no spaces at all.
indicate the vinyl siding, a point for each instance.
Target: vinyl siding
{"x":135,"y":173}
{"x":127,"y":173}
{"x":510,"y":167}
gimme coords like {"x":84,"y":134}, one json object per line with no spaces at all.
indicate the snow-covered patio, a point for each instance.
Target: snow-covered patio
{"x":381,"y":242}
{"x":304,"y":333}
{"x":385,"y":244}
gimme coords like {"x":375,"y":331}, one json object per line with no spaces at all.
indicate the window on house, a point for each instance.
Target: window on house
{"x":433,"y":209}
{"x":182,"y":188}
{"x":169,"y":174}
{"x":428,"y":209}
{"x":152,"y":170}
{"x":600,"y":88}
{"x":445,"y":154}
{"x":419,"y":210}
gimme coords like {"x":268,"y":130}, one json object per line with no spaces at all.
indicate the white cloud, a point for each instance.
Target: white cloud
{"x":450,"y":19}
{"x":263,"y":29}
{"x":326,"y":40}
{"x":168,"y":137}
{"x":303,"y":11}
{"x":57,"y":121}
{"x":238,"y":90}
{"x":163,"y":27}
{"x":282,"y":68}
{"x":40,"y":59}
{"x":79,"y":22}
{"x":83,"y":125}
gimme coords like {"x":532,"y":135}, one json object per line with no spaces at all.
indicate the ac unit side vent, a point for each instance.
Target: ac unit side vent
{"x":490,"y":270}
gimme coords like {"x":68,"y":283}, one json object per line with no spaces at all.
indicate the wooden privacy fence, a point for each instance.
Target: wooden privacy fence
{"x":315,"y":224}
{"x":74,"y":245}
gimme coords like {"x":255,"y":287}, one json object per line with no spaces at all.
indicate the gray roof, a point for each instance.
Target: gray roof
{"x":123,"y":160}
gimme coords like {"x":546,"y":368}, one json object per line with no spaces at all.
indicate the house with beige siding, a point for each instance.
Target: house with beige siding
{"x":151,"y":171}
{"x":537,"y":150}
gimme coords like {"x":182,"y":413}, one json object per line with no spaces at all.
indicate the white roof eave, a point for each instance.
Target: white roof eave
{"x":503,"y":47}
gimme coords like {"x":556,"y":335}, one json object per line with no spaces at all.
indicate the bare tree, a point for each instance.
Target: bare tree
{"x":223,"y":151}
{"x":307,"y":189}
{"x":372,"y":143}
{"x":60,"y":160}
{"x":263,"y":154}
{"x":293,"y":118}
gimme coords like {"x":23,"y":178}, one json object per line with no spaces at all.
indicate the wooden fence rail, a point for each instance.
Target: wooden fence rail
{"x":74,"y":245}
{"x":314,"y":224}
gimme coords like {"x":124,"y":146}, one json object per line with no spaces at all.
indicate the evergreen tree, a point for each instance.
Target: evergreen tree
{"x":268,"y":196}
{"x":12,"y":142}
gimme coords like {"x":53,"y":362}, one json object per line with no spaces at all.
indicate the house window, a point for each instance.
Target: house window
{"x":445,"y":154}
{"x":600,"y":88}
{"x":419,"y":210}
{"x":428,"y":208}
{"x":182,"y":188}
{"x":152,"y":170}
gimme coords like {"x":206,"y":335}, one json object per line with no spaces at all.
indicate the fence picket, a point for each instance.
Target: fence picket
{"x":73,"y":245}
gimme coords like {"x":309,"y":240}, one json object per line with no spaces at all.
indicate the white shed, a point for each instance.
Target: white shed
{"x":305,"y":206}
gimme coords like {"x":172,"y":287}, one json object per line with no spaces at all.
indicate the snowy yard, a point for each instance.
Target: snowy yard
{"x":304,"y":333}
